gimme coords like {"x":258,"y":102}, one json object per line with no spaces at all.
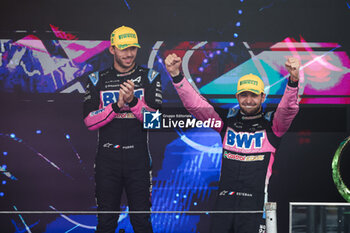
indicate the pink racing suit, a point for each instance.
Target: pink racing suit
{"x":249,"y":146}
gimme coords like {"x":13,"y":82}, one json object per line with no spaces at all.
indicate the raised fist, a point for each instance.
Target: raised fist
{"x":172,"y":64}
{"x":293,"y":65}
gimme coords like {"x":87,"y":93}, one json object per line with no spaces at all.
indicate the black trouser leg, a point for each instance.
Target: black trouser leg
{"x":138,"y":183}
{"x":109,"y":186}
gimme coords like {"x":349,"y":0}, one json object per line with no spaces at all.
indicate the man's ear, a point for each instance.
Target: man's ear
{"x":111,"y":50}
{"x":263,"y":95}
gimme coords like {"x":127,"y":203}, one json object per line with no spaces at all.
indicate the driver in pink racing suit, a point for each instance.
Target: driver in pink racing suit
{"x":250,"y":140}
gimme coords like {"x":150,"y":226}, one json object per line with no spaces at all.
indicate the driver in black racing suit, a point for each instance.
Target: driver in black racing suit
{"x":114,"y":102}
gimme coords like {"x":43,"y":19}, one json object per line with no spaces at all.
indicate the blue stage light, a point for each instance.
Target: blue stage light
{"x":12,"y":135}
{"x":218,"y":52}
{"x":1,"y":194}
{"x":4,"y":153}
{"x":160,"y":60}
{"x":238,"y":24}
{"x":198,"y":79}
{"x":225,"y":49}
{"x":38,"y":131}
{"x":195,"y":203}
{"x":201,"y":69}
{"x":175,"y":201}
{"x":177,"y":216}
{"x":67,"y":136}
{"x":185,"y":196}
{"x":4,"y":167}
{"x":232,"y":44}
{"x":235,"y":35}
{"x":211,"y":55}
{"x":240,"y":12}
{"x":205,"y":60}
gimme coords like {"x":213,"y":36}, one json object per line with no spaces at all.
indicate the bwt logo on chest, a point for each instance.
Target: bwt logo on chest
{"x":110,"y":97}
{"x":244,"y":140}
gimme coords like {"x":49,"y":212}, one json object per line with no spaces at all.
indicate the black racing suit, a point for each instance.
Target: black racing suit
{"x":123,"y":159}
{"x":249,"y":146}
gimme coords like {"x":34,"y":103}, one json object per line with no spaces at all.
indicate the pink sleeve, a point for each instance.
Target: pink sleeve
{"x":196,"y":104}
{"x":139,"y":108}
{"x":99,"y":118}
{"x":286,"y":111}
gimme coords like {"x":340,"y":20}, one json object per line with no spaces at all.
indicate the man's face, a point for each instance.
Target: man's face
{"x":124,"y":59}
{"x":249,"y":102}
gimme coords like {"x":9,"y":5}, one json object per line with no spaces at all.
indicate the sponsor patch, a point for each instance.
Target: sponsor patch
{"x":152,"y":74}
{"x":112,"y":96}
{"x":253,"y":82}
{"x":107,"y":145}
{"x":127,"y":35}
{"x":136,"y":80}
{"x":125,"y":115}
{"x":243,"y":158}
{"x":234,"y":193}
{"x":244,"y":140}
{"x":223,"y":193}
{"x":97,"y":112}
{"x":128,"y":147}
{"x":268,"y":116}
{"x":94,"y":77}
{"x":232,"y":112}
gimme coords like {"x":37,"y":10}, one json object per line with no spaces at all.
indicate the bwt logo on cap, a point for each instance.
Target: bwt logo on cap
{"x":151,"y":120}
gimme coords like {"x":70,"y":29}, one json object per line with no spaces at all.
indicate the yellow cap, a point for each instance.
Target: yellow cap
{"x":250,"y":82}
{"x":124,"y":37}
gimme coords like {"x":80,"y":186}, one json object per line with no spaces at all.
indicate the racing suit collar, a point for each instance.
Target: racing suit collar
{"x":251,"y":117}
{"x":120,"y":74}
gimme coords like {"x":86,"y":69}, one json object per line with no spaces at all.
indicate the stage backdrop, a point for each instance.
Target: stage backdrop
{"x":47,"y":49}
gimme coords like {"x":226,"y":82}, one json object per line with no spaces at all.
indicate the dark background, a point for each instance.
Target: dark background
{"x":302,"y":169}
